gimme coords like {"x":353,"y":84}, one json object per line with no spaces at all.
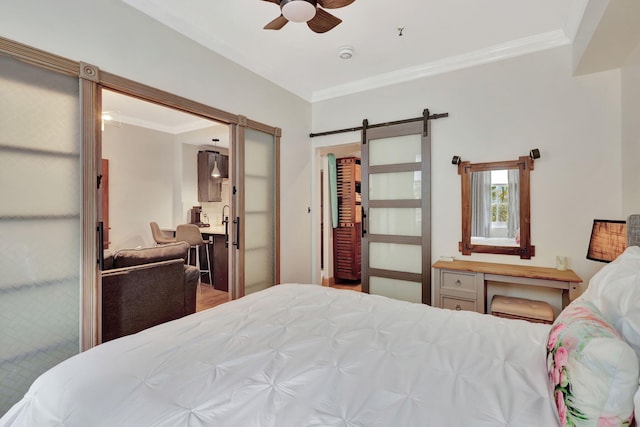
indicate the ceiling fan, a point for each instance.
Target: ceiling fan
{"x":309,"y":11}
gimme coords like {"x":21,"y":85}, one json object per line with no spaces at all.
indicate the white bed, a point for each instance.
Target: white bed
{"x":305,"y":355}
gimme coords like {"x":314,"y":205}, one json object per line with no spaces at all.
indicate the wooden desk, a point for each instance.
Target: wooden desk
{"x":461,"y":285}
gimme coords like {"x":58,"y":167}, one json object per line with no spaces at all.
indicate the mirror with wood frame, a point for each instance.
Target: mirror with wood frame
{"x":496,"y":208}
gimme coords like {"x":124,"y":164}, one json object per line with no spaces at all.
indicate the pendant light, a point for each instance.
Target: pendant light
{"x":215,"y":173}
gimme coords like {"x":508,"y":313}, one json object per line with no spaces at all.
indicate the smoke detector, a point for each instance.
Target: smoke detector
{"x":345,"y":52}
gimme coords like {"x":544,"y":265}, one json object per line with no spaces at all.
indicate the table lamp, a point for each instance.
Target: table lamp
{"x":608,"y":240}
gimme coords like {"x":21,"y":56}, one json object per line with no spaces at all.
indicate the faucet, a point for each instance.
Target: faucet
{"x":225,"y":206}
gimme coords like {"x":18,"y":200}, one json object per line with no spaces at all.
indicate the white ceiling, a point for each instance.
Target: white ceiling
{"x":438,"y":35}
{"x":126,"y":109}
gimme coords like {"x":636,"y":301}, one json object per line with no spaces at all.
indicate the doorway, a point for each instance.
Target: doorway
{"x":251,"y":229}
{"x":323,"y":248}
{"x":396,"y":234}
{"x":152,"y":156}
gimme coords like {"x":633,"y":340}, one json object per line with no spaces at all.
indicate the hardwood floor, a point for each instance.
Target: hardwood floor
{"x":351,"y":286}
{"x":208,"y":297}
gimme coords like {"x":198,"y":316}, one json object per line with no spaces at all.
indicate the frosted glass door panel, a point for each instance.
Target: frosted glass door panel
{"x":395,"y":186}
{"x":35,"y":195}
{"x":259,"y":215}
{"x":395,"y":252}
{"x":260,"y":156}
{"x":393,"y":256}
{"x":40,"y":224}
{"x":260,"y":201}
{"x":36,"y":263}
{"x":259,"y":227}
{"x":397,"y":289}
{"x":398,"y":221}
{"x":258,"y":261}
{"x":395,"y":150}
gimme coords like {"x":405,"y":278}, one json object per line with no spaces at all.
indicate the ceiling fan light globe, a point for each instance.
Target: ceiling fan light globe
{"x":298,"y":10}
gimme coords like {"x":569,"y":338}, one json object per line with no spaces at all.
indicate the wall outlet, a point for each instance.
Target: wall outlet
{"x":446,"y":258}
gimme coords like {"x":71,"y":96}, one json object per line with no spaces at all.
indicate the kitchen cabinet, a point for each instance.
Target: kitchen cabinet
{"x":219,"y":256}
{"x":210,"y":188}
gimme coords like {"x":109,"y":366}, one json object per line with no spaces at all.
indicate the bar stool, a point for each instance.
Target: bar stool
{"x":190,"y":233}
{"x":158,"y":236}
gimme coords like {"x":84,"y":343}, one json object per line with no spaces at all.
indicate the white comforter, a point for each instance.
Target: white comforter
{"x":304,"y":355}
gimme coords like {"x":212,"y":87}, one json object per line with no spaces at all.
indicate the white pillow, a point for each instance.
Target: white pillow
{"x":615,"y":291}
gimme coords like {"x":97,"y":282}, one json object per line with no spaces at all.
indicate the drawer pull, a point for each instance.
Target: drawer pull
{"x":458,"y":283}
{"x":458,"y":308}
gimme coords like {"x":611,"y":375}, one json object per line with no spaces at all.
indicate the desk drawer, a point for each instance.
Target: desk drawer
{"x":458,"y":304}
{"x":458,"y":281}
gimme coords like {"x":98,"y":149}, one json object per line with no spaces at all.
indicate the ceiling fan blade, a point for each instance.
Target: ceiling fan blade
{"x":323,"y":21}
{"x":273,"y":1}
{"x":277,"y":23}
{"x":334,"y":4}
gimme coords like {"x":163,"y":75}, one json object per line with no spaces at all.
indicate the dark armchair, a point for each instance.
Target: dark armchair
{"x":142,"y":288}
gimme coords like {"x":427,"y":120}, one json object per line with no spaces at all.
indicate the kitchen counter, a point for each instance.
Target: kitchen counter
{"x":214,"y":229}
{"x":219,"y":255}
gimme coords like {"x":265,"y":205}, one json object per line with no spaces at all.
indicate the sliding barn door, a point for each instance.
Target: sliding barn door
{"x":40,"y":223}
{"x":254,"y":252}
{"x":396,"y":233}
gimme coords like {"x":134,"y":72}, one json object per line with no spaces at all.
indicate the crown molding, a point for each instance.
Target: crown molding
{"x":174,"y":130}
{"x":494,"y":53}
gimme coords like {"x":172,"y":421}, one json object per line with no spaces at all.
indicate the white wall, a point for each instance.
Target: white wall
{"x":631,"y":134}
{"x":121,"y":40}
{"x":499,"y":111}
{"x":141,"y":184}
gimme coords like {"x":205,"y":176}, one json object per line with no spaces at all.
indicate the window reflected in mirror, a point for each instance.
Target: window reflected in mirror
{"x":495,"y":208}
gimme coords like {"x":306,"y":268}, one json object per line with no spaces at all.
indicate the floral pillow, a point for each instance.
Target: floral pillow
{"x":593,"y":372}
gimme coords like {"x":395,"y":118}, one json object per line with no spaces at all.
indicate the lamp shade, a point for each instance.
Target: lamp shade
{"x":608,"y":240}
